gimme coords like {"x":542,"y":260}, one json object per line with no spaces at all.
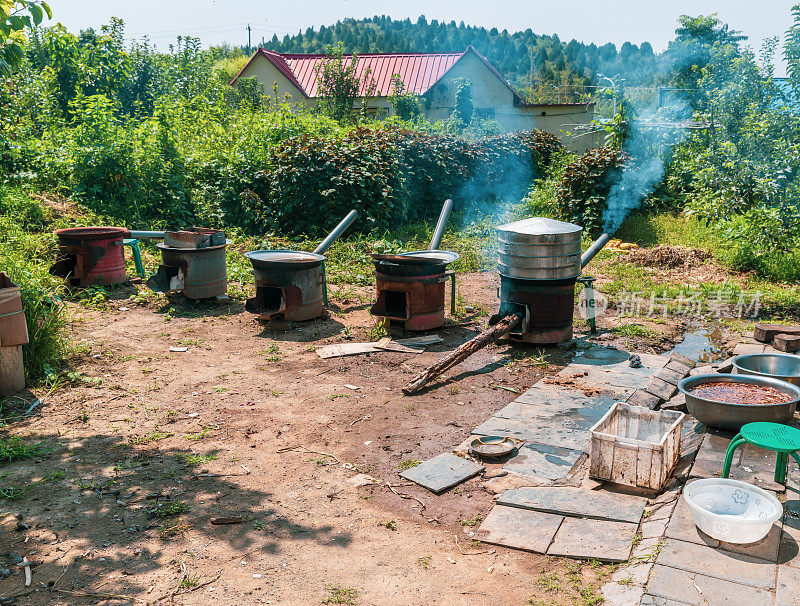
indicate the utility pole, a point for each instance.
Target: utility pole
{"x":248,"y":38}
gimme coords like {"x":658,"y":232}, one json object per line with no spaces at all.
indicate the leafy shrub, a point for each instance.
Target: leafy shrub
{"x":581,"y":195}
{"x":390,"y":175}
{"x":21,"y":254}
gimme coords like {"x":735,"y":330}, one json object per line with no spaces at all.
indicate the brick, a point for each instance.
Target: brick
{"x":766,"y":332}
{"x":789,"y":553}
{"x":786,"y":588}
{"x":660,"y":388}
{"x":643,"y":398}
{"x":622,"y":595}
{"x":681,"y":526}
{"x":680,"y":358}
{"x":673,"y":377}
{"x":787,"y":343}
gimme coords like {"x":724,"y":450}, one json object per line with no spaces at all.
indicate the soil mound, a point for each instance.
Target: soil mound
{"x":668,"y":257}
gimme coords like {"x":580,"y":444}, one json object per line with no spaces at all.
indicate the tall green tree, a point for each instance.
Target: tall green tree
{"x":16,"y":18}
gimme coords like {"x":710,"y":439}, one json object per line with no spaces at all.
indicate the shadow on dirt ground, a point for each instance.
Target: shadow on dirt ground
{"x":101,"y":502}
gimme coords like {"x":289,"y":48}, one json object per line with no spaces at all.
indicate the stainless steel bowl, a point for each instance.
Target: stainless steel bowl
{"x":732,"y":416}
{"x":785,"y":367}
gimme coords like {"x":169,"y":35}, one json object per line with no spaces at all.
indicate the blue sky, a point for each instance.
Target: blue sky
{"x":616,"y":21}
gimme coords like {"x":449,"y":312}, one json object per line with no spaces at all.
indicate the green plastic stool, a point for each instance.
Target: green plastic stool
{"x":137,"y":255}
{"x":782,"y":439}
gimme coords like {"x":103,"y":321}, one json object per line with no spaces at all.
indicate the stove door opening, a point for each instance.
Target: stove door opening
{"x":268,"y":300}
{"x":392,"y":304}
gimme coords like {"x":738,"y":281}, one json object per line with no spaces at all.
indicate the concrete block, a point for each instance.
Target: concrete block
{"x":578,"y":502}
{"x":519,"y":528}
{"x":593,"y":539}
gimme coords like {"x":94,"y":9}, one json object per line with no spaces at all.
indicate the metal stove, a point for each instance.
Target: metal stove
{"x":539,"y":263}
{"x":192,"y":262}
{"x":410,"y":287}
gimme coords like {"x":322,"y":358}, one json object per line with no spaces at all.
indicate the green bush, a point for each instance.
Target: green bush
{"x":585,"y":183}
{"x":391,"y":176}
{"x":25,"y":254}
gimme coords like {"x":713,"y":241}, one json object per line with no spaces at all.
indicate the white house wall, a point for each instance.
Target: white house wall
{"x":489,"y":95}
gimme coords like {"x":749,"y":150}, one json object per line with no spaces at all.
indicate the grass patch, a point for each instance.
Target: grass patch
{"x":14,"y":448}
{"x":194,"y":459}
{"x":340,"y":595}
{"x":409,"y":463}
{"x":168,"y":508}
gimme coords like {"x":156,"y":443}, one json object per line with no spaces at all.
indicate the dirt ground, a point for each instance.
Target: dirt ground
{"x":249,"y":423}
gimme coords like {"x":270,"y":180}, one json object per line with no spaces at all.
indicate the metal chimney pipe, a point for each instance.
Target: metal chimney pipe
{"x":436,"y":240}
{"x":147,"y":235}
{"x":595,"y":248}
{"x":337,"y":231}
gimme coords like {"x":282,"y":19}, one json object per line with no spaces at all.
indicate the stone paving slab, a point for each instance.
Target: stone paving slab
{"x":789,"y":552}
{"x":716,"y":563}
{"x":765,"y":549}
{"x":442,"y":472}
{"x":787,"y":590}
{"x":563,"y":436}
{"x":578,"y":502}
{"x":519,"y":528}
{"x":593,"y":539}
{"x":750,"y":464}
{"x":543,"y":461}
{"x":702,"y":590}
{"x":682,"y":527}
{"x":554,"y":420}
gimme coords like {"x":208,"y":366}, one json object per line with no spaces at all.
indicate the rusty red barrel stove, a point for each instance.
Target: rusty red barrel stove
{"x":411,"y":286}
{"x":90,"y":256}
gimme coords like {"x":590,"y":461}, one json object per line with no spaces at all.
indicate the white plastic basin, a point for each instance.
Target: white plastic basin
{"x":732,"y":511}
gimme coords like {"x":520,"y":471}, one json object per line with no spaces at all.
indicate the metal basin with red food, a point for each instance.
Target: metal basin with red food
{"x":731,"y":417}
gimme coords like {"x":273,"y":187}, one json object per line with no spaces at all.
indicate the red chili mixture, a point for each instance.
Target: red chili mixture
{"x":740,"y":393}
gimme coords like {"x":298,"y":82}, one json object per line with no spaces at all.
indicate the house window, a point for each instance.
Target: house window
{"x":484,"y":113}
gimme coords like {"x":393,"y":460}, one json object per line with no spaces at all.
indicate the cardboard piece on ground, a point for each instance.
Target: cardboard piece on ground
{"x":442,"y":472}
{"x":578,"y":502}
{"x":337,"y":350}
{"x":519,"y":528}
{"x":594,"y":539}
{"x":413,"y":345}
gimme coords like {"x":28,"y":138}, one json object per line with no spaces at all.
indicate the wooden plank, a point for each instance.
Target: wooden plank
{"x":338,"y":350}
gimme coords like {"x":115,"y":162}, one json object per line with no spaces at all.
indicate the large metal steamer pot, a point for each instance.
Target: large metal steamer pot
{"x":731,"y":417}
{"x":540,"y":249}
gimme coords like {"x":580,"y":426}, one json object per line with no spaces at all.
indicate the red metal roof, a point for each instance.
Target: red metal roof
{"x":418,"y":71}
